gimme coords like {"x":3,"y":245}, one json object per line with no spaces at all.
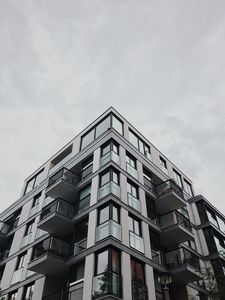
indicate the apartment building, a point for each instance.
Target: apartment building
{"x":109,"y":217}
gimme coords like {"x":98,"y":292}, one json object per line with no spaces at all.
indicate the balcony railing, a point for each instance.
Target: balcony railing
{"x":110,"y":156}
{"x":4,"y":228}
{"x":84,"y":203}
{"x":108,"y":283}
{"x":80,"y":246}
{"x":149,"y":185}
{"x":109,"y":228}
{"x":63,"y":174}
{"x":139,"y":291}
{"x":132,"y":171}
{"x":136,"y":242}
{"x":167,"y":187}
{"x":156,"y":257}
{"x":181,"y":256}
{"x":17,"y":276}
{"x":173,"y":218}
{"x":134,"y":202}
{"x":51,"y":245}
{"x":109,"y":188}
{"x":58,"y":206}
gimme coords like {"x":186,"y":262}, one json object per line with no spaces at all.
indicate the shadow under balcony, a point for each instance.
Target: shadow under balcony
{"x":56,"y":217}
{"x":108,"y":283}
{"x":108,"y":228}
{"x":170,"y":197}
{"x":184,"y":266}
{"x":4,"y":230}
{"x":176,"y":229}
{"x":49,"y":257}
{"x":62,"y":185}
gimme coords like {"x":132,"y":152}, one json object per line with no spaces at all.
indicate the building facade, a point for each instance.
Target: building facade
{"x":110,"y":217}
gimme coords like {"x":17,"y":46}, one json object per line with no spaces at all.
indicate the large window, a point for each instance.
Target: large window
{"x":100,"y":128}
{"x":132,"y":189}
{"x":139,"y":289}
{"x":177,"y":178}
{"x":139,"y":144}
{"x":28,"y":292}
{"x":188,"y":188}
{"x":134,"y":225}
{"x":109,"y":175}
{"x":87,"y":167}
{"x":110,"y":146}
{"x":109,"y":212}
{"x":76,"y":272}
{"x":84,"y":197}
{"x":34,"y":181}
{"x":107,"y":261}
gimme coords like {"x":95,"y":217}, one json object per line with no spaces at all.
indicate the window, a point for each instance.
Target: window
{"x":109,"y":175}
{"x":177,"y":178}
{"x":221,"y":224}
{"x":139,"y":144}
{"x":134,"y":225}
{"x":87,"y":167}
{"x":13,"y":296}
{"x":163,"y":165}
{"x":131,"y":160}
{"x":33,"y":182}
{"x":21,"y":261}
{"x":28,"y":292}
{"x":184,"y":212}
{"x":137,"y":272}
{"x":212,"y":217}
{"x":76,"y":272}
{"x":29,"y":228}
{"x":187,"y":187}
{"x":108,"y":261}
{"x":100,"y":128}
{"x":132,"y":189}
{"x":36,"y":200}
{"x":84,"y":197}
{"x":109,"y":212}
{"x":110,"y":146}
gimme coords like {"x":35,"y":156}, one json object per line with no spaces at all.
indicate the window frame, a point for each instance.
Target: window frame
{"x":110,"y":171}
{"x":110,"y":206}
{"x":109,"y":258}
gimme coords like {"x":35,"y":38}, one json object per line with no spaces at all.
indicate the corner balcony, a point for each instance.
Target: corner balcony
{"x":139,"y":291}
{"x":109,"y":228}
{"x":56,"y":217}
{"x":133,"y":202}
{"x":184,"y":266}
{"x":170,"y":197}
{"x":136,"y":242}
{"x":176,"y":229}
{"x":62,"y":185}
{"x":49,"y":257}
{"x":110,"y":156}
{"x":108,"y":283}
{"x":109,"y":188}
{"x":4,"y":230}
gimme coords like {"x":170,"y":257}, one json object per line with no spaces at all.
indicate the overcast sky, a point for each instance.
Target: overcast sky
{"x":161,"y":64}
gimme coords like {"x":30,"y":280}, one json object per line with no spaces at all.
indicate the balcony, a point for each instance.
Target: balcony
{"x":79,"y":246}
{"x":139,"y":291}
{"x":134,"y":202}
{"x":107,"y":283}
{"x":109,"y":188}
{"x":156,"y":257}
{"x":62,"y":185}
{"x":109,"y":228}
{"x":132,"y":171}
{"x":4,"y":230}
{"x":110,"y":156}
{"x":170,"y":197}
{"x":56,"y":217}
{"x":176,"y":229}
{"x":49,"y":257}
{"x":184,"y":266}
{"x":136,"y":242}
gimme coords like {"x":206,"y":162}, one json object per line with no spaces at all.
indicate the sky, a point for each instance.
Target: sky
{"x":161,"y":64}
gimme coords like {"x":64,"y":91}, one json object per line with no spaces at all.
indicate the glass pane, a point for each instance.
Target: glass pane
{"x":140,"y":273}
{"x":117,"y":124}
{"x":30,"y":185}
{"x":221,"y":224}
{"x":115,"y":261}
{"x":104,"y":215}
{"x":141,"y":147}
{"x":105,"y":178}
{"x":136,"y":227}
{"x":115,"y":215}
{"x":102,"y":127}
{"x":29,"y":292}
{"x":85,"y":192}
{"x":133,"y":139}
{"x":115,"y":148}
{"x":77,"y":272}
{"x":115,"y":177}
{"x":102,"y":261}
{"x":87,"y":139}
{"x":39,"y":178}
{"x":131,"y":226}
{"x":105,"y":149}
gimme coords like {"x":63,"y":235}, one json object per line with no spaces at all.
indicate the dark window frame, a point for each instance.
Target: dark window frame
{"x":109,"y":170}
{"x":110,"y":264}
{"x":110,"y":143}
{"x":110,"y":205}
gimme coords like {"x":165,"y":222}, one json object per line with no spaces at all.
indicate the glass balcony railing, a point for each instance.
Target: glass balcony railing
{"x":107,"y":283}
{"x":27,"y":239}
{"x":110,"y":156}
{"x":58,"y":206}
{"x":132,"y":171}
{"x":134,"y":202}
{"x":173,"y":218}
{"x":136,"y":242}
{"x":51,"y":245}
{"x":4,"y":228}
{"x":149,"y":185}
{"x":80,"y":246}
{"x":109,"y":228}
{"x":139,"y":291}
{"x":167,"y":187}
{"x":109,"y":188}
{"x":181,"y":256}
{"x":63,"y":174}
{"x":17,"y":276}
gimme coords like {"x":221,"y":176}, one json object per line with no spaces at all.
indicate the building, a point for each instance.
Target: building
{"x":105,"y":218}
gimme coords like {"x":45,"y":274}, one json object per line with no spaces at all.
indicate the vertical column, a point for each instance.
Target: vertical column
{"x":123,"y":188}
{"x":126,"y":274}
{"x":122,"y":158}
{"x":94,"y":191}
{"x":91,"y":228}
{"x":125,"y":227}
{"x":150,"y":282}
{"x":38,"y":289}
{"x":140,"y":172}
{"x":88,"y":277}
{"x":8,"y":273}
{"x":96,"y":159}
{"x":20,"y":294}
{"x":146,"y":237}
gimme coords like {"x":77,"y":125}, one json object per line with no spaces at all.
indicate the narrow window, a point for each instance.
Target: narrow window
{"x":28,"y":292}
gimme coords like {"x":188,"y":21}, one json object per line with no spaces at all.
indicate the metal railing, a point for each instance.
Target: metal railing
{"x":167,"y":187}
{"x":63,"y":174}
{"x":79,"y":246}
{"x":60,"y":206}
{"x":108,"y":283}
{"x":181,"y":256}
{"x":174,"y":217}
